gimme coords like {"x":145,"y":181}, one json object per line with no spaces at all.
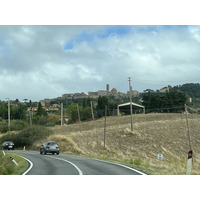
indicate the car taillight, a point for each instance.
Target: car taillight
{"x":47,"y":147}
{"x":57,"y":147}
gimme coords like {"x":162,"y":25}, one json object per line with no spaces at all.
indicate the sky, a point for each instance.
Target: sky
{"x":46,"y":61}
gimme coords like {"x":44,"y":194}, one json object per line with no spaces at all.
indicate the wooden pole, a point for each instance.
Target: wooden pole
{"x":105,"y":128}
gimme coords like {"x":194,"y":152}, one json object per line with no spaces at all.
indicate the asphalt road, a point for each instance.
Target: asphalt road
{"x":64,"y":164}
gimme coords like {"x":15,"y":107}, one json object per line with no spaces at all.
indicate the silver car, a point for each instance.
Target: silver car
{"x":49,"y":147}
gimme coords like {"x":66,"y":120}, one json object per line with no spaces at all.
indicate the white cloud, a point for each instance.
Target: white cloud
{"x":35,"y":58}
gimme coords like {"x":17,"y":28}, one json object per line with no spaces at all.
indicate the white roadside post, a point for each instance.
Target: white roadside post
{"x":3,"y":152}
{"x":160,"y":157}
{"x":189,"y":163}
{"x":14,"y":161}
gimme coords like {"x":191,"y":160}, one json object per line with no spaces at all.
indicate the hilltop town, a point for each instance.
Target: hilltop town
{"x":94,"y":95}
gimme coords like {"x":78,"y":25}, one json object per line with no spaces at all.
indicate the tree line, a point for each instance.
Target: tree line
{"x":167,"y":103}
{"x":172,"y":101}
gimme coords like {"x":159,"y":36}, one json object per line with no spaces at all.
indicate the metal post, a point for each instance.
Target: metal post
{"x":189,"y":162}
{"x":188,"y":130}
{"x":131,"y":107}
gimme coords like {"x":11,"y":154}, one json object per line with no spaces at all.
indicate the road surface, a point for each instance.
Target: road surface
{"x":64,"y":164}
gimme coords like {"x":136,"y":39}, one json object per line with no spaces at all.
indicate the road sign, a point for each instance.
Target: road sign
{"x":160,"y":156}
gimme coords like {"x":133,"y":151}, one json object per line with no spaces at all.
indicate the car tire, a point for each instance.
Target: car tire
{"x":57,"y":153}
{"x":45,"y":152}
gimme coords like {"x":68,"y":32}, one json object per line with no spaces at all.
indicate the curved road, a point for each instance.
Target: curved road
{"x":64,"y":164}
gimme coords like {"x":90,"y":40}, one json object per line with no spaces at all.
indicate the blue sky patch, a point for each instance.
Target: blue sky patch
{"x":69,"y":46}
{"x":118,"y":30}
{"x":109,"y":30}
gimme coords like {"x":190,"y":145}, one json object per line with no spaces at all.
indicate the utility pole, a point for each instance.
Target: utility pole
{"x":92,"y":110}
{"x":8,"y":115}
{"x":30,"y":114}
{"x":105,"y":128}
{"x":79,"y":117}
{"x":131,"y":107}
{"x":61,"y":115}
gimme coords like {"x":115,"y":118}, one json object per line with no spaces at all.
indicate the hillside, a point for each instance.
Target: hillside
{"x":153,"y":134}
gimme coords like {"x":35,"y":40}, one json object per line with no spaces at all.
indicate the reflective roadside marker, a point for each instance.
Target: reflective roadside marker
{"x":190,"y":154}
{"x":14,"y":161}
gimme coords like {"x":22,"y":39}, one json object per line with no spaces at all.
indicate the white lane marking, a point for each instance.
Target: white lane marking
{"x":79,"y":171}
{"x":122,"y":166}
{"x":30,"y":167}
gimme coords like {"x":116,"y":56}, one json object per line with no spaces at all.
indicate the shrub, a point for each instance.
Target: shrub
{"x":3,"y":128}
{"x":55,"y":119}
{"x":17,"y":126}
{"x":14,"y":126}
{"x":27,"y":136}
{"x":137,"y":162}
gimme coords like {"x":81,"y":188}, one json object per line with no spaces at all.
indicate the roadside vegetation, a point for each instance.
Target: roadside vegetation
{"x":27,"y":136}
{"x":7,"y":167}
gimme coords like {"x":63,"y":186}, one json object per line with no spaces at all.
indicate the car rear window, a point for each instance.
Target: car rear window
{"x":51,"y":143}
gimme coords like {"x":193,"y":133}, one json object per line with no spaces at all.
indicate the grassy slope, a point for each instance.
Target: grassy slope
{"x":7,"y":167}
{"x":153,"y":134}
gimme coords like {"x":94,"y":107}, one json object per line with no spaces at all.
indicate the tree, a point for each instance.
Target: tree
{"x":41,"y":111}
{"x":72,"y":112}
{"x":102,"y":102}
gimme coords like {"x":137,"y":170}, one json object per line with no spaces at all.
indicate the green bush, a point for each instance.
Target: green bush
{"x":14,"y":126}
{"x":17,"y":125}
{"x":27,"y":136}
{"x":137,"y":162}
{"x":4,"y":128}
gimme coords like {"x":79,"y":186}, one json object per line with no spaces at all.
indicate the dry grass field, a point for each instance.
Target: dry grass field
{"x":152,"y":134}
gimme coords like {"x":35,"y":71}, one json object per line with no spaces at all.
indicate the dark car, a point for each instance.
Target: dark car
{"x":8,"y":145}
{"x":49,"y":147}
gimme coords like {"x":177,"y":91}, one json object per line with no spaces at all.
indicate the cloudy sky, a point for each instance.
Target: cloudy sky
{"x":38,"y":62}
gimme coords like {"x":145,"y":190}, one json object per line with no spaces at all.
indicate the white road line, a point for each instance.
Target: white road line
{"x":30,"y":167}
{"x":79,"y":171}
{"x":122,"y":166}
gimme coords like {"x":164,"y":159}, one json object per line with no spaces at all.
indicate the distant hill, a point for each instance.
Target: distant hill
{"x":191,"y":89}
